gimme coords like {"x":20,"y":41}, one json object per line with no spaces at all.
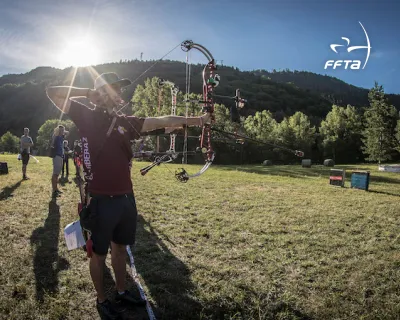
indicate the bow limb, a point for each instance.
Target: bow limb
{"x":210,"y":81}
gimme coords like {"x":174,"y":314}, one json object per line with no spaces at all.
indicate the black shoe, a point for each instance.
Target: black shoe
{"x":106,"y":310}
{"x":25,"y":178}
{"x":128,"y":298}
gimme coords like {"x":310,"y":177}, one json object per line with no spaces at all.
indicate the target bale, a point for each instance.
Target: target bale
{"x":267,"y":163}
{"x":360,"y":180}
{"x":329,"y":163}
{"x":306,"y":163}
{"x":336,"y":177}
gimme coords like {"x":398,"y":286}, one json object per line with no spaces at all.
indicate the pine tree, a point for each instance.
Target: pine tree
{"x":380,"y":127}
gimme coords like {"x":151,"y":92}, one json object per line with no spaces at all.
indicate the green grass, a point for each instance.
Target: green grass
{"x":246,"y":242}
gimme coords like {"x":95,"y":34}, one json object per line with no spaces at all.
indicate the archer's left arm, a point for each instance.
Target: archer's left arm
{"x":151,"y":124}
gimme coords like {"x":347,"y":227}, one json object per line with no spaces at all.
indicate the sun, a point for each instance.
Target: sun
{"x":78,"y":53}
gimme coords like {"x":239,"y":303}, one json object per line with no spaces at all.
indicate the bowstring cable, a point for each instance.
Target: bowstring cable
{"x":188,"y":70}
{"x":144,"y":72}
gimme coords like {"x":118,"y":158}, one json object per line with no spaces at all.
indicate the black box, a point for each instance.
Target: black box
{"x":3,"y":168}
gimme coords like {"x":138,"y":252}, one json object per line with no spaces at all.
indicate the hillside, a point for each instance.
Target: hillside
{"x":333,"y":89}
{"x":23,"y":101}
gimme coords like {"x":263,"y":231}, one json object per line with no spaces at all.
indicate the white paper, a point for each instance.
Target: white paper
{"x":73,"y":235}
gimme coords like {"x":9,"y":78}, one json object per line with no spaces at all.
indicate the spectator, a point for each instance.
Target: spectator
{"x":77,"y":155}
{"x":26,"y":144}
{"x":58,"y":137}
{"x":67,"y":154}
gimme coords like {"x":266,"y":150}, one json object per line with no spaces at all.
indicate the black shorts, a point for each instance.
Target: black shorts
{"x":115,"y":220}
{"x":25,"y":157}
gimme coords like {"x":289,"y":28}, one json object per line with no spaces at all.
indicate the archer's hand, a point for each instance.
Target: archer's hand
{"x":93,"y":96}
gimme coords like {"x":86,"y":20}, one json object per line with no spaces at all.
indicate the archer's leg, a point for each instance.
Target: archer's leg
{"x":62,"y":170}
{"x":103,"y":220}
{"x":57,"y":167}
{"x":104,"y":306}
{"x":25,"y":161}
{"x":124,"y":234}
{"x":54,"y":179}
{"x":96,"y":267}
{"x":118,"y":261}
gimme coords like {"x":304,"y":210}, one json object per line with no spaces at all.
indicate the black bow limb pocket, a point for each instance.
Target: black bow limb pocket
{"x":88,"y":215}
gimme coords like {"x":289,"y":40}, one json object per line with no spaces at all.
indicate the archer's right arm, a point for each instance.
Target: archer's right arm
{"x":60,"y":96}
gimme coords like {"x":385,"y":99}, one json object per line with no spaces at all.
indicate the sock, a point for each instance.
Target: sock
{"x":121,"y":292}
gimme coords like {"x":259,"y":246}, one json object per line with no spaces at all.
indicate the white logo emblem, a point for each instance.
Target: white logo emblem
{"x":354,"y":64}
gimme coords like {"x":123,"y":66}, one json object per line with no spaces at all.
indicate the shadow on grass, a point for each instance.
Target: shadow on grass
{"x":7,"y":191}
{"x":46,"y":262}
{"x":168,"y":281}
{"x":315,"y":171}
{"x":385,"y":193}
{"x":166,"y":277}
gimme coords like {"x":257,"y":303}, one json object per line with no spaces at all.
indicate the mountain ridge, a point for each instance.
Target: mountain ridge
{"x":23,"y":101}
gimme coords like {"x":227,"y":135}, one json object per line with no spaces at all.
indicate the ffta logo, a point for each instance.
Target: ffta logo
{"x":354,"y":64}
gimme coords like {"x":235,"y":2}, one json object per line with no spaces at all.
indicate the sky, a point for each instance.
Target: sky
{"x":249,"y":35}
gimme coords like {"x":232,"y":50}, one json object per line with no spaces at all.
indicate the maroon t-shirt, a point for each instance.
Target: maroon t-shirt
{"x":106,"y":160}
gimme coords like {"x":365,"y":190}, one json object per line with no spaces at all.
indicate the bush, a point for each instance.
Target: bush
{"x":9,"y":143}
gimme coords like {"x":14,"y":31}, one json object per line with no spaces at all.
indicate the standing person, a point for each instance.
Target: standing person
{"x":57,"y":142}
{"x":107,"y":156}
{"x":25,"y":148}
{"x":66,"y":157}
{"x":77,"y":155}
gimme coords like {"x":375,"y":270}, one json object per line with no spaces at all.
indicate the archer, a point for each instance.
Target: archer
{"x":111,"y":213}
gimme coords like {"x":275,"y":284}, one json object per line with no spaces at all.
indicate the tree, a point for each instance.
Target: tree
{"x":151,"y":100}
{"x":261,"y":126}
{"x":296,"y":133}
{"x":380,"y":129}
{"x":341,"y":134}
{"x":397,"y":136}
{"x":45,"y":133}
{"x":9,"y":143}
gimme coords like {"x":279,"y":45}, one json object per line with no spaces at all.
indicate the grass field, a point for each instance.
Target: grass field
{"x":247,"y":242}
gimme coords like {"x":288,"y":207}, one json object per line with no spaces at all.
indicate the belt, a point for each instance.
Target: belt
{"x":100,"y":196}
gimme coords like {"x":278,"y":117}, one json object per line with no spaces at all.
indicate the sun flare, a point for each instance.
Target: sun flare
{"x":79,"y":53}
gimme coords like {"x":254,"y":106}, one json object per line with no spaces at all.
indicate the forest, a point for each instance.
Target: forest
{"x":320,"y":115}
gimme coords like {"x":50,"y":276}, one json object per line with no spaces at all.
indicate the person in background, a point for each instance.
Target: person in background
{"x":25,"y":148}
{"x":67,"y":154}
{"x":77,"y":155}
{"x":58,"y":137}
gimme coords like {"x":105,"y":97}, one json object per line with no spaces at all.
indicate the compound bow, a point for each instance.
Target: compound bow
{"x":210,"y":81}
